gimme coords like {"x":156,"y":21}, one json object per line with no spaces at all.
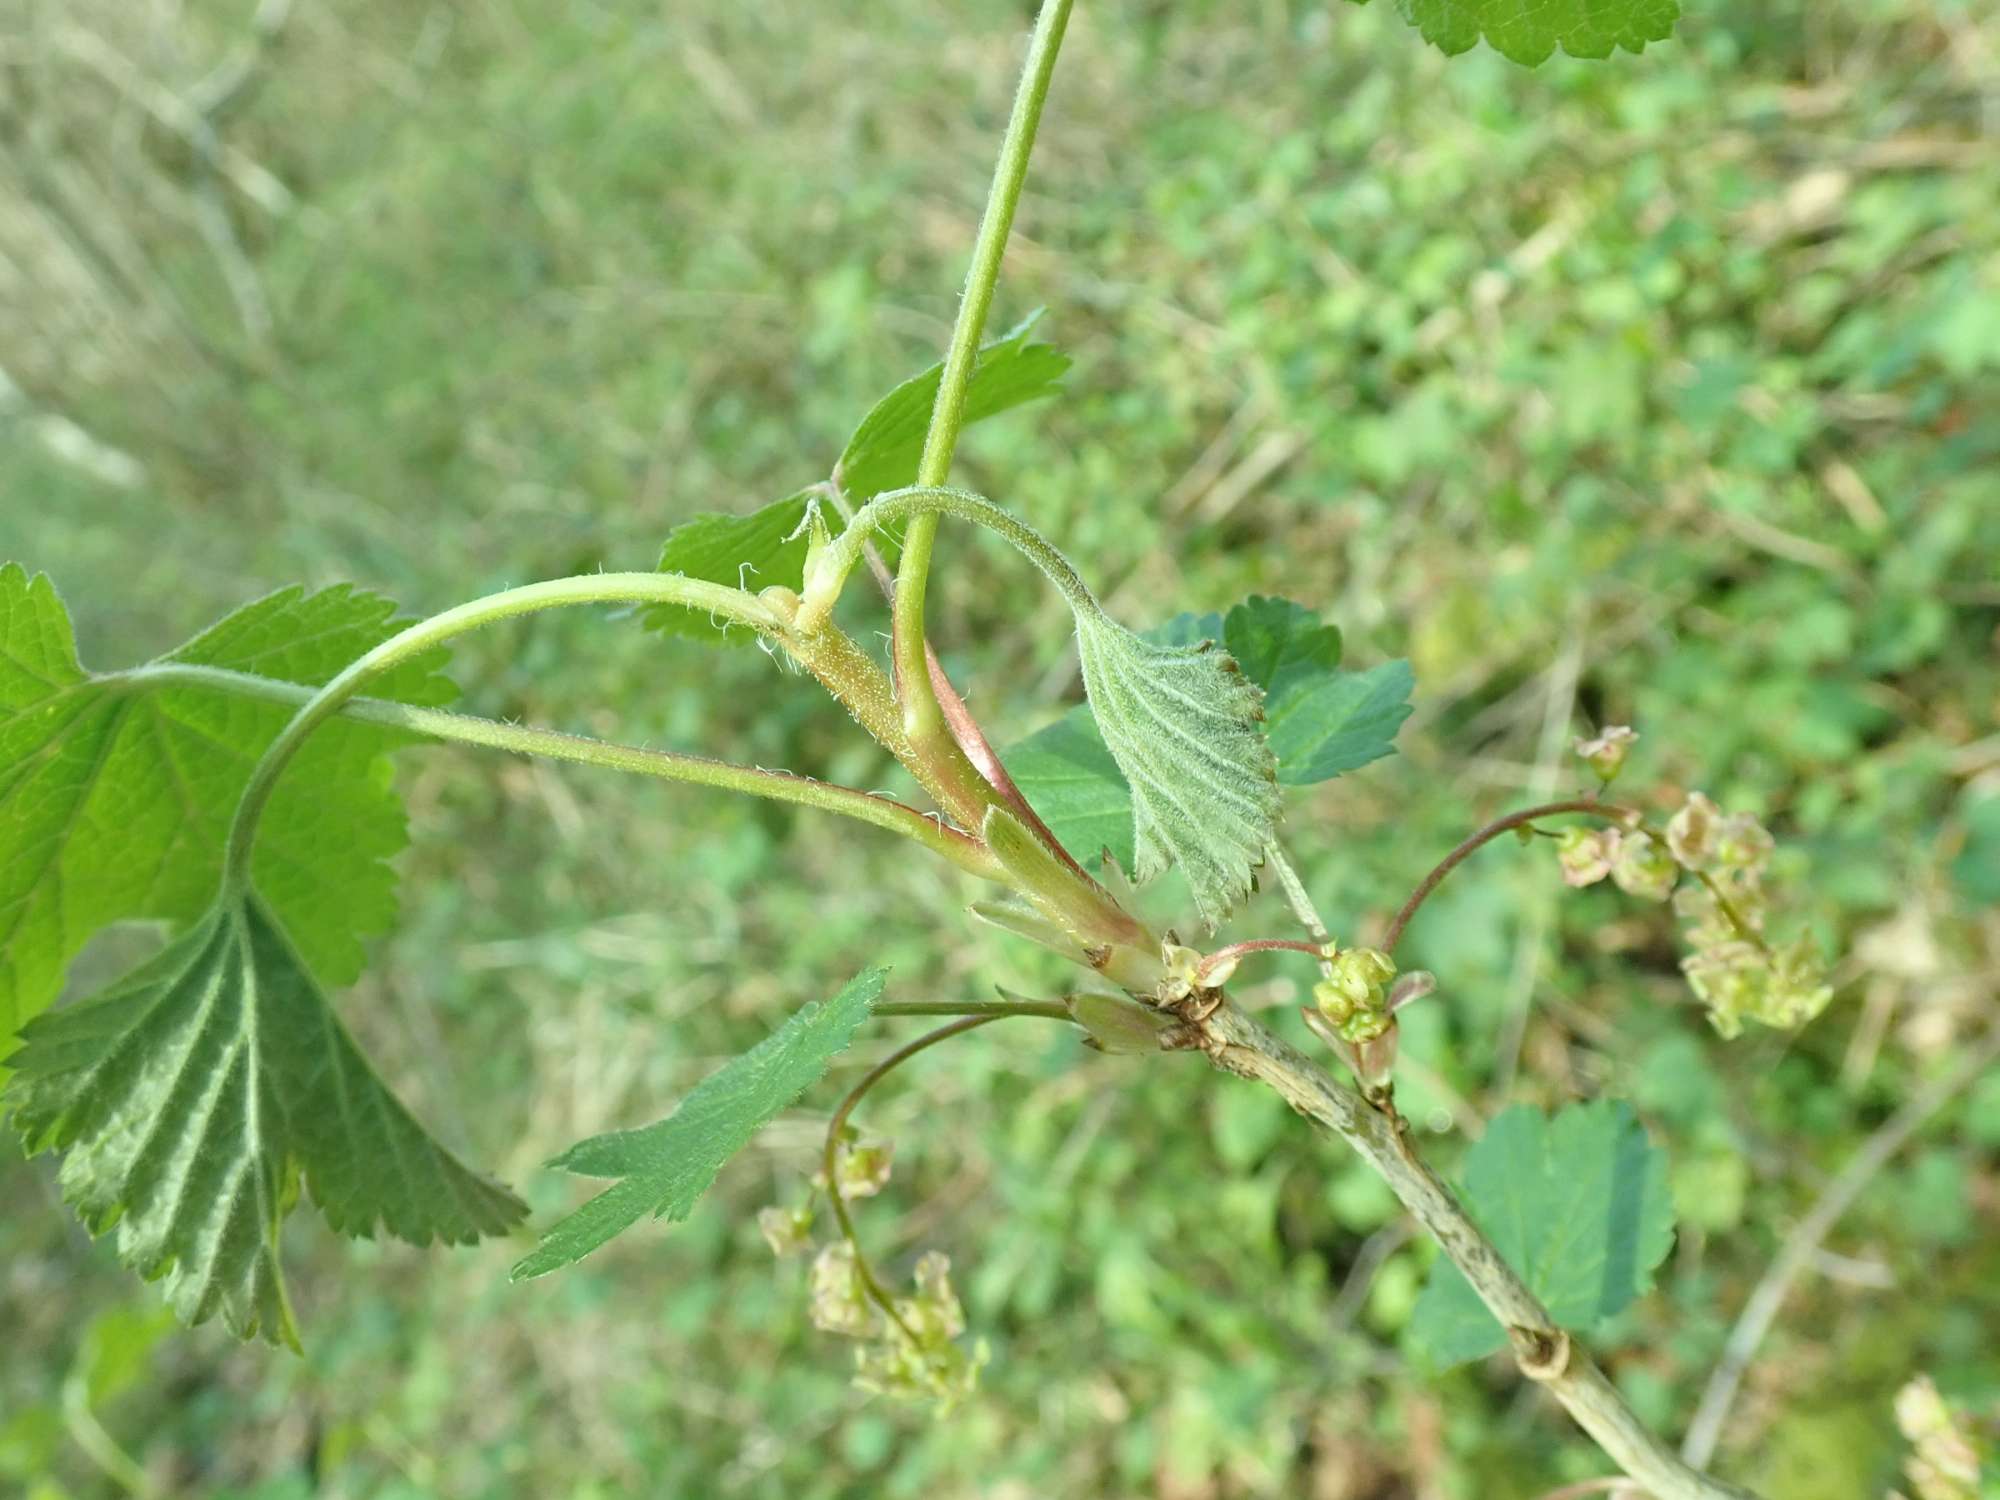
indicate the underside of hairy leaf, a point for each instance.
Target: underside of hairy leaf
{"x":767,"y":547}
{"x":115,"y":794}
{"x":193,"y":1096}
{"x":1528,"y":31}
{"x":1318,"y":721}
{"x":664,"y":1168}
{"x":1182,"y":722}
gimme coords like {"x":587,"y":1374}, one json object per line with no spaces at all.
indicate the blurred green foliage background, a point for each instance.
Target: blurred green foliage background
{"x":1662,"y":390}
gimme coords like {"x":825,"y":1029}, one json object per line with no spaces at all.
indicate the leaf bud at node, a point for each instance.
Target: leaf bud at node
{"x":1183,"y":966}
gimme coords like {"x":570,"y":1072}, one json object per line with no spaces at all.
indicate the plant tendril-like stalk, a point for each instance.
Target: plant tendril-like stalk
{"x":554,"y":744}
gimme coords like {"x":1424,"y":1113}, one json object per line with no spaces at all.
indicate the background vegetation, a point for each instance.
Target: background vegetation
{"x":1665,"y":390}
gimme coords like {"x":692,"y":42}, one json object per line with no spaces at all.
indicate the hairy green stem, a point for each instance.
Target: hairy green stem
{"x":553,"y":744}
{"x":829,"y":571}
{"x":590,"y":588}
{"x":922,"y":717}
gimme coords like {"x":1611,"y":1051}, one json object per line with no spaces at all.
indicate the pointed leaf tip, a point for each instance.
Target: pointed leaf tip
{"x":662,"y":1169}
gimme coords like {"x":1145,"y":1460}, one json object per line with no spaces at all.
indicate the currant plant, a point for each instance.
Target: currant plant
{"x":238,"y":791}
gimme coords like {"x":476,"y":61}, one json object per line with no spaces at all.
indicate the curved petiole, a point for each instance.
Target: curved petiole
{"x":828,"y":571}
{"x":589,"y":588}
{"x":553,"y":744}
{"x":1486,"y":835}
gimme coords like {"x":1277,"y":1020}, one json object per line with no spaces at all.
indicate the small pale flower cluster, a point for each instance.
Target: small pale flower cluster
{"x":1636,"y":862}
{"x":1946,"y":1460}
{"x":914,"y":1356}
{"x":1355,"y":994}
{"x":838,"y":1297}
{"x":927,"y":1363}
{"x":1737,"y":972}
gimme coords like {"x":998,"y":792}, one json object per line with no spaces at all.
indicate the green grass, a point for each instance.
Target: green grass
{"x":1664,"y":390}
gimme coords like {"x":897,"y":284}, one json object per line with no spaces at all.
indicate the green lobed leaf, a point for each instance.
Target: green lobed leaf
{"x":664,"y":1168}
{"x":1321,"y":726}
{"x":1182,"y":724}
{"x":1578,"y":1205}
{"x":1280,"y":645}
{"x":1318,"y":720}
{"x":754,"y":551}
{"x":1528,"y":31}
{"x":1076,"y":787}
{"x":193,"y":1096}
{"x":884,"y":451}
{"x":115,"y":795}
{"x":1976,"y":869}
{"x":767,"y":546}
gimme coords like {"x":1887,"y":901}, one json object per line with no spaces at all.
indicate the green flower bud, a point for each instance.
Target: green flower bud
{"x":1742,"y":844}
{"x":1729,"y":979}
{"x":1364,"y":1026}
{"x":1798,"y":990}
{"x":1354,"y":995}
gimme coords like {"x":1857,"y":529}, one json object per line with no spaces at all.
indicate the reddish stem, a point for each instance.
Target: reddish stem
{"x":958,"y":718}
{"x":1256,"y":945}
{"x":1486,"y":835}
{"x":972,"y":740}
